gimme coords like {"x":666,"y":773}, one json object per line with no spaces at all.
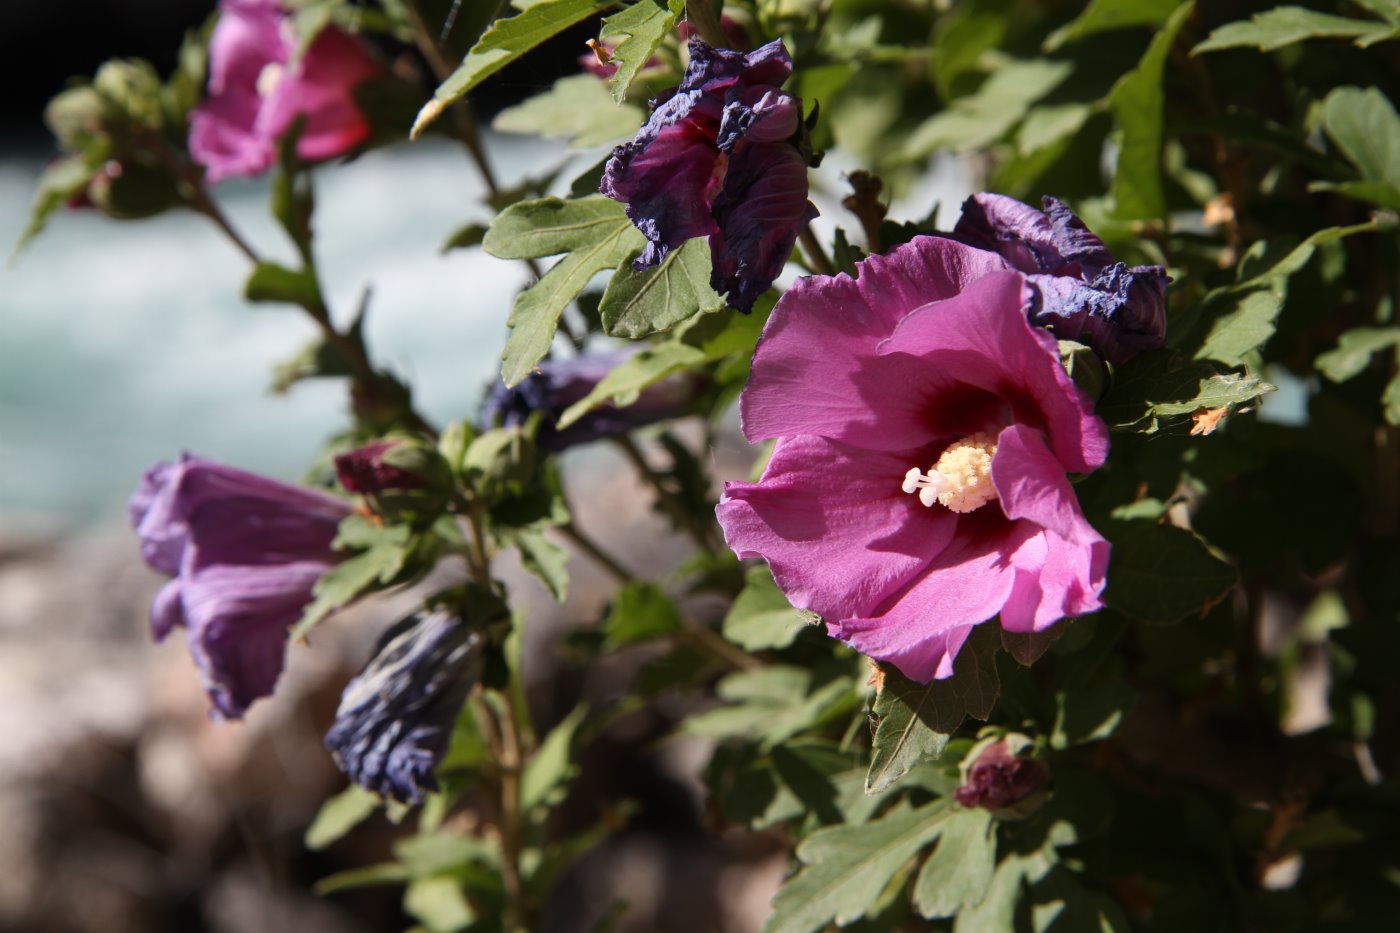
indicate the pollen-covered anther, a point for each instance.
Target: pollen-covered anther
{"x":961,"y":480}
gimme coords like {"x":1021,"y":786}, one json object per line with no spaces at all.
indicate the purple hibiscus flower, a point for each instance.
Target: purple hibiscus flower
{"x":918,"y":486}
{"x":1078,"y":290}
{"x":558,"y":383}
{"x":244,"y":552}
{"x":723,"y":157}
{"x":259,"y":86}
{"x":395,"y":717}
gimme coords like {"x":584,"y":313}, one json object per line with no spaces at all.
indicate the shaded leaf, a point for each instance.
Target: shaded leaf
{"x":959,"y":872}
{"x":640,"y":27}
{"x":1365,"y":127}
{"x":1104,"y":15}
{"x":761,"y":617}
{"x":535,"y":316}
{"x":1244,"y":329}
{"x":384,"y":552}
{"x":1354,"y":351}
{"x":913,"y":722}
{"x":271,"y":282}
{"x":1161,"y":573}
{"x":1285,"y":25}
{"x":1137,"y":101}
{"x":640,"y":611}
{"x":553,"y":762}
{"x":339,"y":815}
{"x":638,"y":303}
{"x":846,"y":868}
{"x":60,"y":183}
{"x":578,"y":108}
{"x":984,"y":117}
{"x":545,"y":559}
{"x":503,"y":43}
{"x":1159,"y":387}
{"x":549,"y":226}
{"x":1090,"y":713}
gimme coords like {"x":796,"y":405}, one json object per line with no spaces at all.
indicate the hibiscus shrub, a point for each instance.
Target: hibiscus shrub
{"x":1037,"y":610}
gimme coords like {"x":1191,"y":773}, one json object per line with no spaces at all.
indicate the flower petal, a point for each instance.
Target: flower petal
{"x":984,"y":340}
{"x":835,"y":526}
{"x":807,"y":371}
{"x":759,"y":212}
{"x":920,"y":629}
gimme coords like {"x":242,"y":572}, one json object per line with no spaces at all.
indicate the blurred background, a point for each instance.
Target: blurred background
{"x":122,"y":808}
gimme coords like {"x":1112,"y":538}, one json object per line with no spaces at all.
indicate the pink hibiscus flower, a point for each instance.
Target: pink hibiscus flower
{"x":918,"y":485}
{"x":258,"y":87}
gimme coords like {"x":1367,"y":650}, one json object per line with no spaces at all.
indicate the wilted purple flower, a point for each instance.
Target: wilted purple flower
{"x":723,"y":156}
{"x":999,"y":778}
{"x":259,"y":86}
{"x":395,"y":717}
{"x":558,"y":383}
{"x":924,"y":431}
{"x":1079,"y":291}
{"x":244,"y":552}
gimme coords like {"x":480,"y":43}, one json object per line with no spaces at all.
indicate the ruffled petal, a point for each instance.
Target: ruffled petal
{"x":758,"y":214}
{"x":321,"y":87}
{"x":985,"y":340}
{"x":807,"y":375}
{"x":237,"y":620}
{"x":835,"y":526}
{"x":920,"y":629}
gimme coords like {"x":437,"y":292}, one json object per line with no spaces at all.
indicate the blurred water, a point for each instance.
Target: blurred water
{"x":122,"y":343}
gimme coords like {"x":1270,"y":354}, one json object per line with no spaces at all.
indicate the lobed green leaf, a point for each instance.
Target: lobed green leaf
{"x":913,"y":722}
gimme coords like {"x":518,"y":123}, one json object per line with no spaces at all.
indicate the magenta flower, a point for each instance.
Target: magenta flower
{"x":258,"y":87}
{"x":244,"y":552}
{"x":1078,"y":290}
{"x":723,"y":157}
{"x":918,"y":483}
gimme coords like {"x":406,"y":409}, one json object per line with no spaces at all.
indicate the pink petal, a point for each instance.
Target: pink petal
{"x":984,"y":340}
{"x":321,"y":86}
{"x":921,"y":629}
{"x":807,"y":371}
{"x":839,"y":533}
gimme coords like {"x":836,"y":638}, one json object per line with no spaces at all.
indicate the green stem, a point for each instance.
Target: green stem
{"x":699,"y":532}
{"x":591,"y":549}
{"x":812,"y":249}
{"x":704,"y":638}
{"x":705,"y":18}
{"x":464,"y":120}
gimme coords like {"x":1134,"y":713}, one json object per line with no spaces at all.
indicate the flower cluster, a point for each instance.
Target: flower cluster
{"x":244,"y":552}
{"x":259,"y":85}
{"x":924,"y":431}
{"x":723,"y":157}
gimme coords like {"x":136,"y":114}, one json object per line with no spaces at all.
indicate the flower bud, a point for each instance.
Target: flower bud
{"x":396,"y":716}
{"x":389,"y":464}
{"x":1000,"y":779}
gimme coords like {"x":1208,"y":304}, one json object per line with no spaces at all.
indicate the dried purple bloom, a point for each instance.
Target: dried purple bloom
{"x":723,"y":157}
{"x":999,"y":778}
{"x":395,"y":717}
{"x":244,"y":552}
{"x":558,"y":383}
{"x":1079,"y":291}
